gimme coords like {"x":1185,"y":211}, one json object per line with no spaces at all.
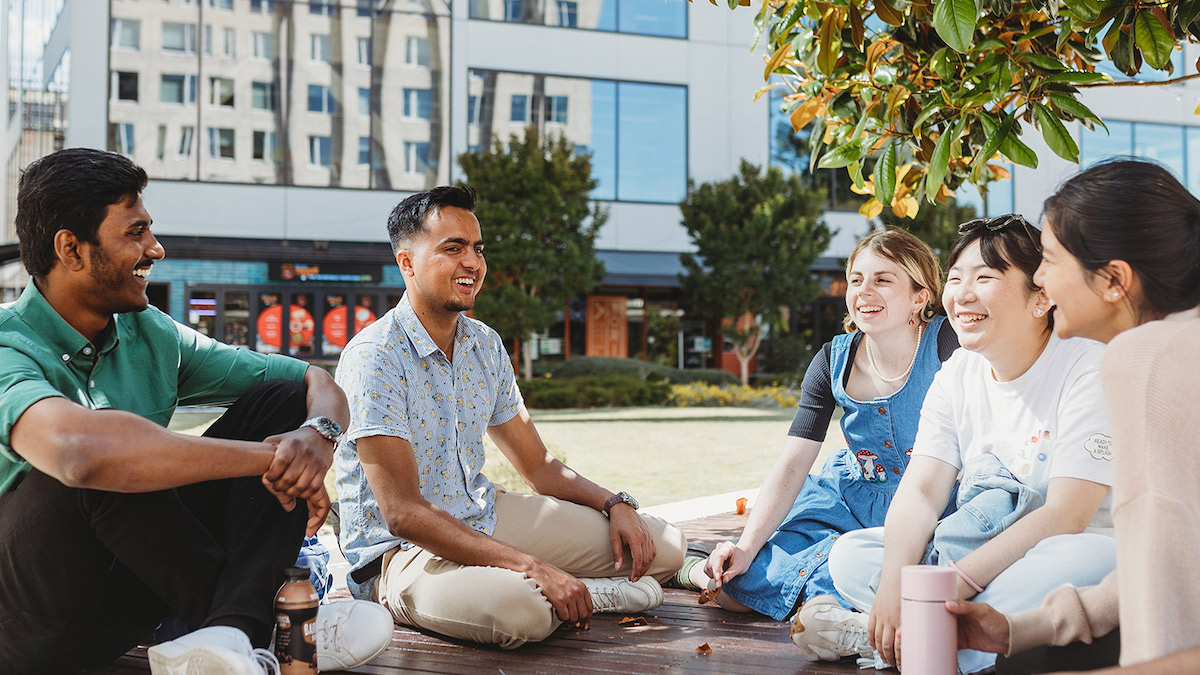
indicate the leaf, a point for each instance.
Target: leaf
{"x":888,"y":14}
{"x":1086,"y":11}
{"x":830,"y":44}
{"x":1187,"y":11}
{"x":939,"y":163}
{"x":875,"y":51}
{"x":1056,"y":134}
{"x":884,"y":175}
{"x":897,"y":95}
{"x":814,"y":143}
{"x":870,"y":208}
{"x":776,"y":59}
{"x":843,"y":155}
{"x":906,"y":207}
{"x":1079,"y":77}
{"x":1041,"y":61}
{"x":990,"y":45}
{"x":858,"y":31}
{"x":987,"y":65}
{"x":1153,"y":38}
{"x":1064,"y":33}
{"x":942,"y":64}
{"x":805,"y":112}
{"x":1071,"y":105}
{"x":954,"y":21}
{"x":929,"y":111}
{"x":1014,"y":149}
{"x":996,"y":133}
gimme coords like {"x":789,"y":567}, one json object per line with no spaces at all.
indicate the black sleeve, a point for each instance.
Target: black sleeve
{"x":947,"y":341}
{"x":816,"y":399}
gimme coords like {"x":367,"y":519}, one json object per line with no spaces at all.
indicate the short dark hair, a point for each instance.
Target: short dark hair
{"x":1136,"y":211}
{"x":70,"y":190}
{"x":408,"y":218}
{"x":1016,"y":242}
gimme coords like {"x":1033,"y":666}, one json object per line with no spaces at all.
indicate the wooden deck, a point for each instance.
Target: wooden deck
{"x":668,"y":642}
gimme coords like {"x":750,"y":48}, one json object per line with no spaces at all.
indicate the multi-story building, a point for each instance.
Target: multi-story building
{"x":278,"y":135}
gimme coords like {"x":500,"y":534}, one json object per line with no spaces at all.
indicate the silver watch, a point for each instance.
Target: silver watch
{"x":615,"y":499}
{"x":329,"y":430}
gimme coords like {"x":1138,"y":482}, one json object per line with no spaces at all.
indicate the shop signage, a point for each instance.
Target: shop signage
{"x":325,"y":272}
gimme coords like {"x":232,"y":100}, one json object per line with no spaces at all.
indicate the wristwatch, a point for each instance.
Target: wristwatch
{"x":329,"y":430}
{"x":619,"y":497}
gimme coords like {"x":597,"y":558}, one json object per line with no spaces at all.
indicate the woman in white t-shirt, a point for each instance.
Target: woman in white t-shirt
{"x":1017,"y":392}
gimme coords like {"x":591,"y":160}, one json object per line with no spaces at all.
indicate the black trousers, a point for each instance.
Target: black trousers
{"x":85,"y":574}
{"x":1101,"y":653}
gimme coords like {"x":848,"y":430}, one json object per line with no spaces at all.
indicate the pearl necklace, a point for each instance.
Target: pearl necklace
{"x":901,"y":376}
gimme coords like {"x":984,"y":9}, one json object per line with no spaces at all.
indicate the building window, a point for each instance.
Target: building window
{"x":364,"y":101}
{"x":416,"y":157}
{"x":473,"y":104}
{"x":319,"y":150}
{"x":320,"y":49}
{"x":178,"y":89}
{"x":366,"y":7}
{"x":418,"y":104}
{"x":262,"y":95}
{"x":264,"y":45}
{"x":120,"y":138}
{"x":160,"y":150}
{"x":519,"y":112}
{"x":263,"y":146}
{"x":221,"y":4}
{"x":416,"y":51}
{"x":568,"y":13}
{"x":179,"y":37}
{"x":221,"y":90}
{"x":512,"y":10}
{"x":230,"y":43}
{"x":364,"y":51}
{"x":364,"y":150}
{"x":262,"y":6}
{"x":186,"y":138}
{"x":556,"y":109}
{"x":208,"y":40}
{"x":220,"y":143}
{"x":324,"y":7}
{"x":321,"y":100}
{"x":124,"y":86}
{"x":127,"y":34}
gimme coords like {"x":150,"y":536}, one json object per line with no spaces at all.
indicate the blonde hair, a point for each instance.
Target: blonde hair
{"x":913,"y":256}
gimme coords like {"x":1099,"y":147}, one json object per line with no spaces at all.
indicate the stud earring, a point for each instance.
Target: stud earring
{"x":1039,"y":312}
{"x":1116,"y":295}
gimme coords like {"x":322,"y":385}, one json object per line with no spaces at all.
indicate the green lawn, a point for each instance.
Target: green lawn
{"x":659,"y":455}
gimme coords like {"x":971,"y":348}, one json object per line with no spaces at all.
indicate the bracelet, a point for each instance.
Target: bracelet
{"x":970,"y":582}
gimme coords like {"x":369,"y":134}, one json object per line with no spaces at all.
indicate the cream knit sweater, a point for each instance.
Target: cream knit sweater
{"x":1151,"y":379}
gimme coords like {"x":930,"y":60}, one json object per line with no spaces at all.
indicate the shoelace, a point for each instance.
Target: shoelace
{"x":331,"y":634}
{"x":605,"y":598}
{"x":263,"y":658}
{"x":874,"y":661}
{"x":851,"y":636}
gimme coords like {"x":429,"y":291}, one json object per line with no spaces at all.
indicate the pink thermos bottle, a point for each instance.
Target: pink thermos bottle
{"x":928,"y":631}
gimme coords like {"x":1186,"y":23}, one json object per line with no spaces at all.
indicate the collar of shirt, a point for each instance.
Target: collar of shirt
{"x":52,"y":330}
{"x":465,"y":334}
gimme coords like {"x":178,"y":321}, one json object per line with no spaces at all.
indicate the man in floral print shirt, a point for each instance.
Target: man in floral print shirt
{"x":427,"y":534}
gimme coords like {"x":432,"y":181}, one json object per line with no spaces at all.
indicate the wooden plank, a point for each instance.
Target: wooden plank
{"x":741,"y":643}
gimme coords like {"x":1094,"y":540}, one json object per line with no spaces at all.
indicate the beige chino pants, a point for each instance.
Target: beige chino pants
{"x":498,"y":606}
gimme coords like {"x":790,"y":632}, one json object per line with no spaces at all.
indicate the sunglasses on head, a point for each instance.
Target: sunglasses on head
{"x":996,"y":224}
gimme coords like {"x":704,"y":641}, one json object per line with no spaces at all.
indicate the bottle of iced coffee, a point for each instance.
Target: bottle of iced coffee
{"x":296,"y":623}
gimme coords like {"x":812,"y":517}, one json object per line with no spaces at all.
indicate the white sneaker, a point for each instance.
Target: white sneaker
{"x":829,"y":631}
{"x":351,"y":633}
{"x":215,"y":650}
{"x":620,"y":595}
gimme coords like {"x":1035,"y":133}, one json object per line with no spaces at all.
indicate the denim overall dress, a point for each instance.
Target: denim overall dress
{"x":852,"y":491}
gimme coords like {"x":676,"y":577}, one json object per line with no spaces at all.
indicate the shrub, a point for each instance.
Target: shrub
{"x":596,"y":391}
{"x":737,"y":395}
{"x":588,"y":366}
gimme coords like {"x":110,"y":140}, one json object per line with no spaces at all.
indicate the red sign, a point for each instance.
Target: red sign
{"x":300,"y":326}
{"x":334,"y":325}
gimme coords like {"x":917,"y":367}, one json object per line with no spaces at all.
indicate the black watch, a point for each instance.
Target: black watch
{"x":615,"y":499}
{"x":329,"y":430}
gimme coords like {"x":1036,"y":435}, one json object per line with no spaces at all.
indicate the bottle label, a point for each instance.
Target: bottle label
{"x":296,"y":639}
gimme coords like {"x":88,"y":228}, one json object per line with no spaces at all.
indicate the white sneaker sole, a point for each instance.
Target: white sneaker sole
{"x":168,"y":659}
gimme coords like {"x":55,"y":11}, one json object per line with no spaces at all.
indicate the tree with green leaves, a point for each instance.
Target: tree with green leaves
{"x":539,"y":228}
{"x":756,"y":236}
{"x":939,"y":90}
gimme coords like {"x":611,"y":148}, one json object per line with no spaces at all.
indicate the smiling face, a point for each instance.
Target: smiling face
{"x":443,"y":264}
{"x":1078,"y":295}
{"x":119,"y":263}
{"x":989,"y":309}
{"x":880,"y":295}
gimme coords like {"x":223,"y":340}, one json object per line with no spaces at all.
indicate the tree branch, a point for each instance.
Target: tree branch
{"x":1136,"y":83}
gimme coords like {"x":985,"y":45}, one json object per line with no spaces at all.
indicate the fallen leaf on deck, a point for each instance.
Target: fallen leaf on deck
{"x":704,"y":649}
{"x":741,"y":506}
{"x":707,"y":595}
{"x":632,"y":621}
{"x":576,"y":625}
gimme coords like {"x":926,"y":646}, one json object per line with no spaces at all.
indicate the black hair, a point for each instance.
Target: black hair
{"x":408,"y":218}
{"x":70,"y":190}
{"x":1017,"y":243}
{"x":1136,"y":211}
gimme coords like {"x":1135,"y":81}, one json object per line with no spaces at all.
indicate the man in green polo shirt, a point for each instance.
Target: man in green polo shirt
{"x":109,"y":523}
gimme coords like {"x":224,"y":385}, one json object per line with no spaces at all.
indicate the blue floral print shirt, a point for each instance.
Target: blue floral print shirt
{"x":399,"y":383}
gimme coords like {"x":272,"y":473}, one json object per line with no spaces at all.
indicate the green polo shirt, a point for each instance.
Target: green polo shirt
{"x":144,"y":363}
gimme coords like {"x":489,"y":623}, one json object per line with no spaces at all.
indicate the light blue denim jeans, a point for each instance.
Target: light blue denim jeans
{"x":988,"y":504}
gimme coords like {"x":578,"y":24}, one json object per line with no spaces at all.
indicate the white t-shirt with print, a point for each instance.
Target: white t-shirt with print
{"x":1050,"y":422}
